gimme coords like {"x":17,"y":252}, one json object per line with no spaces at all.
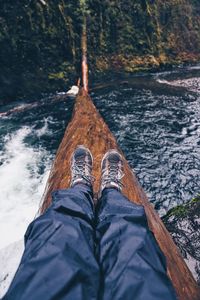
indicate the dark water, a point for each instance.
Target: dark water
{"x":155,"y":118}
{"x":158,"y":129}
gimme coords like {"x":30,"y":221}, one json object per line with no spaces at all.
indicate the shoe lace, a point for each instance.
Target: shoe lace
{"x":114,"y":174}
{"x":80,"y":168}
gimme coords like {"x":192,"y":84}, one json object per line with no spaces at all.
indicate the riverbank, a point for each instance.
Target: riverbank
{"x":133,"y":64}
{"x":60,"y":78}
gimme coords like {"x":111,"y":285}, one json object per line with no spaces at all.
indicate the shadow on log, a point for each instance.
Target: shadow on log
{"x":88,"y":128}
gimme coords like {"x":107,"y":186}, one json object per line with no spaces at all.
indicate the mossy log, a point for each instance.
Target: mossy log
{"x":88,"y":128}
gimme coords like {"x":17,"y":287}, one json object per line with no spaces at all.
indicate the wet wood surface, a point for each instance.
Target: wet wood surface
{"x":84,"y":55}
{"x":88,"y":128}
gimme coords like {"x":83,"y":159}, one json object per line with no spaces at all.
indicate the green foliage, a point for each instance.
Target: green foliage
{"x":179,"y":211}
{"x":36,"y":39}
{"x":182,"y":211}
{"x":196,"y":199}
{"x":183,"y":224}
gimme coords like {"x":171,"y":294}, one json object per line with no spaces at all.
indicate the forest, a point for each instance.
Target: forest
{"x":40,"y":40}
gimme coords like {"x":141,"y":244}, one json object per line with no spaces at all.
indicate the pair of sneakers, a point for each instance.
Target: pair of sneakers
{"x":111,"y":169}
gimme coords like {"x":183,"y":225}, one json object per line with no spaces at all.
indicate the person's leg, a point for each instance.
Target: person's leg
{"x":59,"y":261}
{"x":132,"y":265}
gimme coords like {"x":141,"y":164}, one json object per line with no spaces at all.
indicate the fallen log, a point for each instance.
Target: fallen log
{"x":88,"y":128}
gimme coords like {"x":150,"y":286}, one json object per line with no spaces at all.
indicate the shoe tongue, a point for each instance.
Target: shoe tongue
{"x":80,"y":153}
{"x":113,"y":158}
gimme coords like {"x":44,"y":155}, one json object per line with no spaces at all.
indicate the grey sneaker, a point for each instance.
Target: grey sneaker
{"x":81,"y":166}
{"x":111,"y":171}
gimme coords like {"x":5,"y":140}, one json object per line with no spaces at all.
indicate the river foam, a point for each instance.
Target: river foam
{"x":192,"y":84}
{"x":21,"y":184}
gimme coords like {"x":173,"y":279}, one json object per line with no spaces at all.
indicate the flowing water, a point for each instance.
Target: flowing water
{"x":155,"y":118}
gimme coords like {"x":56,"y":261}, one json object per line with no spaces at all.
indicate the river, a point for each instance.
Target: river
{"x":155,"y":118}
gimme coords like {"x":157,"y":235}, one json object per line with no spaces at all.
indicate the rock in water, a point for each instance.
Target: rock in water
{"x":73,"y":91}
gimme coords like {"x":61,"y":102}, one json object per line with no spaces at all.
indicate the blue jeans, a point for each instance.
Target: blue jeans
{"x":75,"y":252}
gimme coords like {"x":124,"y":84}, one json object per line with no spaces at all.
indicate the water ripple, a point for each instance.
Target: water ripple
{"x":160,"y":136}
